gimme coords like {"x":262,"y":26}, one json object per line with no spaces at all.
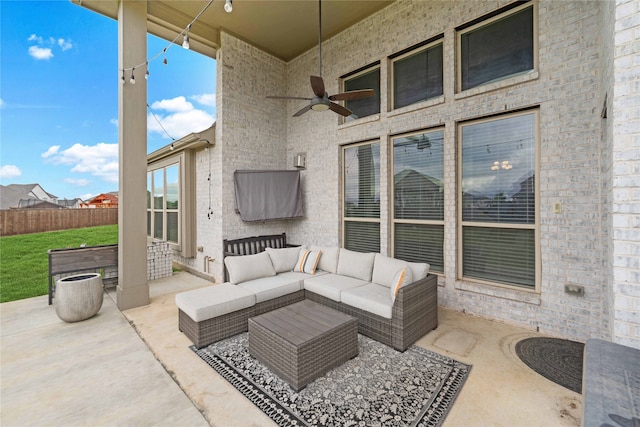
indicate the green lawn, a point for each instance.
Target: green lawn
{"x":24,"y":265}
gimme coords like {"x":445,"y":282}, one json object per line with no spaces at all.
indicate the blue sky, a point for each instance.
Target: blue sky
{"x":59,"y":97}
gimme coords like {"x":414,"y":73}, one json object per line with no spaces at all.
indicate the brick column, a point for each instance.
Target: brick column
{"x":626,"y":174}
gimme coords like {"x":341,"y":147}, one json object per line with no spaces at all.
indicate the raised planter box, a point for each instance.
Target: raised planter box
{"x":104,"y":259}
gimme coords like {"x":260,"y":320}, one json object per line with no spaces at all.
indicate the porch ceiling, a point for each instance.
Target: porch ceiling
{"x":284,"y":28}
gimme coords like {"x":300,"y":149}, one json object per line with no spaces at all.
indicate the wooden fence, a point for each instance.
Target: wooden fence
{"x":24,"y":221}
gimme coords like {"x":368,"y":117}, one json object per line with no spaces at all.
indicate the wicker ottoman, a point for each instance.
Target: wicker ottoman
{"x":302,"y":341}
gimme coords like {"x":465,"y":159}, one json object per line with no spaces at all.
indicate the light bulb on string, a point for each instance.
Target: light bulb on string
{"x":122,"y":80}
{"x":185,"y":41}
{"x":228,"y":6}
{"x":146,"y":75}
{"x":132,"y":80}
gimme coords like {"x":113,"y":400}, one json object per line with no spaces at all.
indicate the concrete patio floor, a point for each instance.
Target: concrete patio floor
{"x":136,"y":368}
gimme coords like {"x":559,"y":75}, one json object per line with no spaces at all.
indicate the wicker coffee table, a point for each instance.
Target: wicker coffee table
{"x":302,"y":341}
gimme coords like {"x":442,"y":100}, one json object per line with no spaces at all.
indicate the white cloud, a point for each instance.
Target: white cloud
{"x":87,"y":196}
{"x":10,"y":171}
{"x":99,"y":160}
{"x":50,"y":152}
{"x":208,"y":99}
{"x":65,"y":44}
{"x":35,"y":38}
{"x":2,"y":103}
{"x":174,"y":105}
{"x":79,"y":182}
{"x":42,"y":50}
{"x":40,"y":53}
{"x":114,"y":122}
{"x":183,"y":118}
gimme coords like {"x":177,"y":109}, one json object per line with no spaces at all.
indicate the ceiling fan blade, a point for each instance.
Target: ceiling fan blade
{"x":354,"y":94}
{"x":301,"y":112}
{"x":337,"y":108}
{"x":288,"y":97}
{"x":317,"y":84}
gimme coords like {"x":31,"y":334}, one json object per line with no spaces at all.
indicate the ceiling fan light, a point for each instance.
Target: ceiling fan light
{"x":320,"y":107}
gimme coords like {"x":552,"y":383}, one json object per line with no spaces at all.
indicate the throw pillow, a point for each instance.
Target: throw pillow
{"x":248,"y":267}
{"x":307,"y":261}
{"x":398,"y":281}
{"x":329,"y":259}
{"x":284,"y":259}
{"x":419,"y":270}
{"x":385,"y":268}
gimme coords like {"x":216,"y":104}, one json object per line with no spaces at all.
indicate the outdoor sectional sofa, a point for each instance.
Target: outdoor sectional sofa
{"x":361,"y":285}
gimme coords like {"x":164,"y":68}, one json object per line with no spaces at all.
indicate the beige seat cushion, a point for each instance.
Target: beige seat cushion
{"x":267,"y":288}
{"x":331,"y":285}
{"x":213,"y":301}
{"x":372,"y":298}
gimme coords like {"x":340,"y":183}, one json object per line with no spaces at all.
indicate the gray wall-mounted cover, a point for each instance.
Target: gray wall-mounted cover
{"x":268,"y":195}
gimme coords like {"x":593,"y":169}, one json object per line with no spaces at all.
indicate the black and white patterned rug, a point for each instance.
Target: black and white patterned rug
{"x":379,"y":387}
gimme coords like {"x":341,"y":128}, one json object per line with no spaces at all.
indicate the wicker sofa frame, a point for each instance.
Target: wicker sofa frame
{"x":414,"y":312}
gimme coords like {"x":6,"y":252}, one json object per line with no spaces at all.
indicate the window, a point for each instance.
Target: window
{"x":171,"y":202}
{"x":497,"y":48}
{"x":365,"y":79}
{"x":361,"y":197}
{"x":497,"y":200}
{"x":418,"y":198}
{"x":162,"y":215}
{"x":417,"y":75}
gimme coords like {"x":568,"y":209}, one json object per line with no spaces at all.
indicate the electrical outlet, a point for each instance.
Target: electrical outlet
{"x":557,"y":207}
{"x":574,"y":289}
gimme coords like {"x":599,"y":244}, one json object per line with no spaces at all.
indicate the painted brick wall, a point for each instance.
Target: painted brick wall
{"x":579,"y":161}
{"x":606,"y":95}
{"x":626,"y":167}
{"x":566,"y":88}
{"x":252,"y":134}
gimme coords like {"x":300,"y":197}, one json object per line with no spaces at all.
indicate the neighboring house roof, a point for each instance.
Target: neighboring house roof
{"x":411,"y":174}
{"x":71,"y":203}
{"x":12,"y":194}
{"x":38,"y":204}
{"x":104,"y":199}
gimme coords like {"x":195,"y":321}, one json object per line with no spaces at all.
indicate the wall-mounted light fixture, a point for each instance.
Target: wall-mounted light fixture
{"x":300,"y":160}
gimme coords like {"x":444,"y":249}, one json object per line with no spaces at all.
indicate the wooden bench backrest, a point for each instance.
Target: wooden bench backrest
{"x":78,"y":260}
{"x":252,"y":245}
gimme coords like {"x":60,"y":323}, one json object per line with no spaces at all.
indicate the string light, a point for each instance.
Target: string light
{"x":162,"y":127}
{"x":132,"y":80}
{"x":228,"y":6}
{"x":185,"y":43}
{"x":122,"y":79}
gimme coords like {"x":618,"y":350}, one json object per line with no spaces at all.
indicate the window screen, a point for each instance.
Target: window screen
{"x":362,"y":197}
{"x":418,"y":198}
{"x":499,"y":49}
{"x":417,"y":76}
{"x":497,"y":199}
{"x":365,"y":106}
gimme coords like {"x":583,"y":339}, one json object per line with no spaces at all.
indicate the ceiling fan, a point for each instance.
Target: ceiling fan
{"x":322,"y":101}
